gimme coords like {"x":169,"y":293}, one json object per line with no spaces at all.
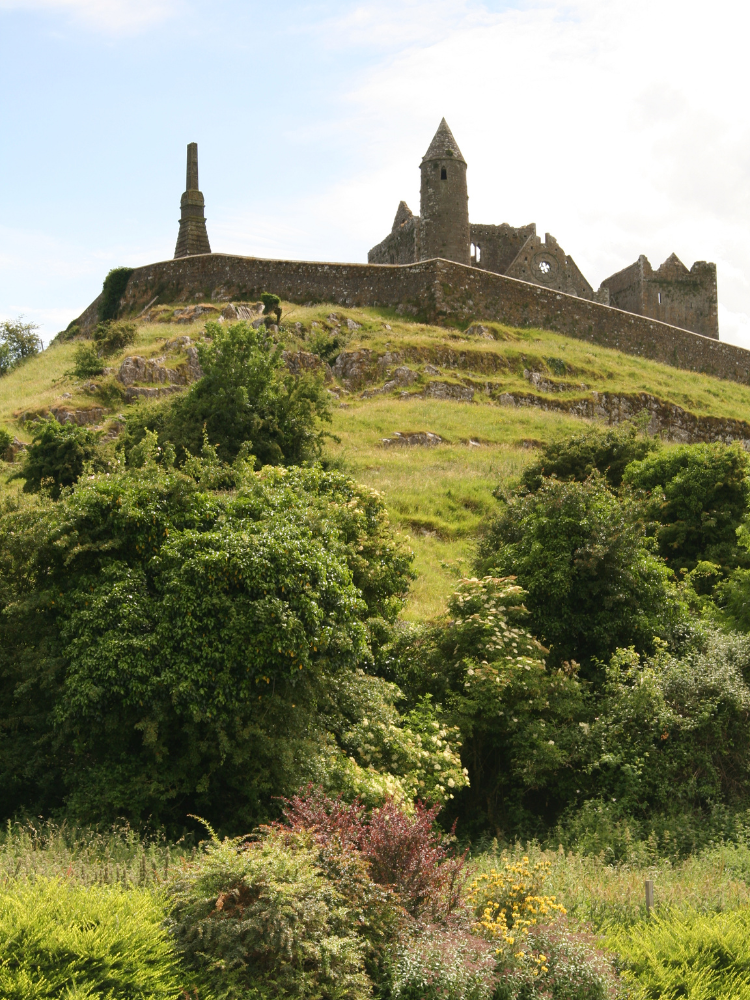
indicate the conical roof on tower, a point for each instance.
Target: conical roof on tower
{"x":443,"y":144}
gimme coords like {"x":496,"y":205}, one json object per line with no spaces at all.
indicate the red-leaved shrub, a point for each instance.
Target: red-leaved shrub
{"x":404,"y":850}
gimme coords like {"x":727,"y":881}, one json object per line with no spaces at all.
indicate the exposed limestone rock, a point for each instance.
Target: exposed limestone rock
{"x":351,"y":325}
{"x":424,"y":438}
{"x":304,"y":361}
{"x":544,"y":385}
{"x":432,"y":370}
{"x":448,"y":390}
{"x":64,"y":415}
{"x":477,"y":330}
{"x":140,"y":392}
{"x":353,"y":367}
{"x":405,"y":376}
{"x":667,"y":419}
{"x":137,"y":369}
{"x":191,"y":313}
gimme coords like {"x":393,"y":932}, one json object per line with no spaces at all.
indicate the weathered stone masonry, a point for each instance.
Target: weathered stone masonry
{"x":436,"y":291}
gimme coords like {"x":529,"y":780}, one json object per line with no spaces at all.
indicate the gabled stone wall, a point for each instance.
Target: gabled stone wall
{"x":672,"y":293}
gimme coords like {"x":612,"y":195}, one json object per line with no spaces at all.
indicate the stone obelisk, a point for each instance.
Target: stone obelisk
{"x":192,"y":237}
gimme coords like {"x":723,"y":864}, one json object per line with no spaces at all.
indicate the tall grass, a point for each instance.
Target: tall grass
{"x":87,"y":857}
{"x":606,"y":895}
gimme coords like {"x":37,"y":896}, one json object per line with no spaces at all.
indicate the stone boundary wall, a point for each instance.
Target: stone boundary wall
{"x":433,"y":291}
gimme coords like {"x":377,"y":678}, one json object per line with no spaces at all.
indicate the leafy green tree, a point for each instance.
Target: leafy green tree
{"x":18,"y":341}
{"x":271,"y":305}
{"x":673,"y":733}
{"x":247,"y":402}
{"x":169,"y":648}
{"x":698,"y":498}
{"x":582,"y":555}
{"x":608,"y":451}
{"x":58,"y":455}
{"x":518,"y":717}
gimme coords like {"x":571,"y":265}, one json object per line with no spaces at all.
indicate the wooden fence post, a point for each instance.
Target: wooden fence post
{"x":649,"y":896}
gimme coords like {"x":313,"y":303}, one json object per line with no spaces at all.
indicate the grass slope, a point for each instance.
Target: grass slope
{"x":439,"y":495}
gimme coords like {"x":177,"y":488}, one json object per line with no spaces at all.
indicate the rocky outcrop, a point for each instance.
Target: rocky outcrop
{"x":425,"y":439}
{"x":137,"y":369}
{"x":449,"y":390}
{"x":667,"y":419}
{"x":299,"y":362}
{"x":141,"y":392}
{"x":66,"y":415}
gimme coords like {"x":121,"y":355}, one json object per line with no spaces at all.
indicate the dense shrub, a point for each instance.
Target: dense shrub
{"x":62,"y":939}
{"x":86,"y":362}
{"x":113,"y":290}
{"x":111,"y":337}
{"x":562,"y":965}
{"x":405,"y":852}
{"x":6,"y":440}
{"x":443,"y":963}
{"x":263,"y":919}
{"x":247,"y":402}
{"x":18,"y":341}
{"x":687,"y":954}
{"x":167,"y":648}
{"x":58,"y":455}
{"x":698,"y":496}
{"x":608,"y":451}
{"x":581,"y":554}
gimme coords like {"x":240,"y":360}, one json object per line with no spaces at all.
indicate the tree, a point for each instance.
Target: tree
{"x":271,"y":305}
{"x":18,"y":341}
{"x":58,"y":455}
{"x":518,"y":717}
{"x":246,"y":401}
{"x":582,"y":555}
{"x":608,"y":451}
{"x":698,"y":496}
{"x":167,"y":648}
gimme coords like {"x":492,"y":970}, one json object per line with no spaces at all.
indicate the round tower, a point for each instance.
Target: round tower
{"x":444,"y":200}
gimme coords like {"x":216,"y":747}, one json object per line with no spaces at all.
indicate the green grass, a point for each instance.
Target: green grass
{"x":438,"y":496}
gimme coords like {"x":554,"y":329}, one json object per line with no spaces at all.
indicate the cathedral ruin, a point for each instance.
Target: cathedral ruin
{"x":671,"y":294}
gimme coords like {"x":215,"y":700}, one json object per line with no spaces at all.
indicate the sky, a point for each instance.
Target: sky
{"x":619,"y":126}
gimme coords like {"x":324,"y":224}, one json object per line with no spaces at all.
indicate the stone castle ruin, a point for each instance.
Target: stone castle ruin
{"x":671,"y":294}
{"x":440,"y":268}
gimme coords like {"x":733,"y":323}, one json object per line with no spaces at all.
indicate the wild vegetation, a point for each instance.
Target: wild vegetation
{"x":427,"y":765}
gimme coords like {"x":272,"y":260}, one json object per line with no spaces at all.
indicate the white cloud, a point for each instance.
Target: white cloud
{"x":111,"y":16}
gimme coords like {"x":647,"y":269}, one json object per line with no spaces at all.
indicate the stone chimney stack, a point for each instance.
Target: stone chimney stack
{"x":192,"y":238}
{"x":444,"y":200}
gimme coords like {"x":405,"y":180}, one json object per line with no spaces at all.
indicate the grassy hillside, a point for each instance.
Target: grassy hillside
{"x":438,"y":495}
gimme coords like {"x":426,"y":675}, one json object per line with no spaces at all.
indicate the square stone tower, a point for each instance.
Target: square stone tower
{"x":192,"y":237}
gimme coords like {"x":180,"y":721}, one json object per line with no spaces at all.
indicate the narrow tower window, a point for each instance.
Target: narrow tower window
{"x":479,"y":253}
{"x":443,"y":174}
{"x":659,"y":298}
{"x":473,"y":250}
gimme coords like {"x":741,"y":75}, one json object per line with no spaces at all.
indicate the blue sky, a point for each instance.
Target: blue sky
{"x":620,"y":127}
